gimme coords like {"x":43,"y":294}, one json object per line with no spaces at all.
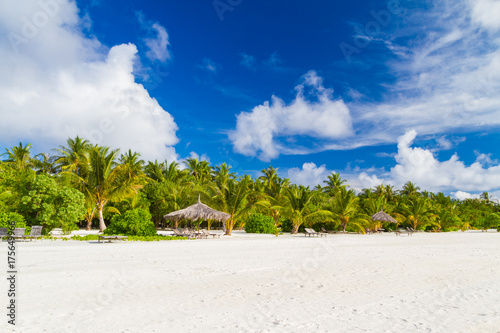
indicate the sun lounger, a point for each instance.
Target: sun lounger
{"x":36,"y":232}
{"x":311,"y":232}
{"x":179,"y":233}
{"x":207,"y":233}
{"x":3,"y":233}
{"x":110,"y":238}
{"x":18,"y":233}
{"x":197,"y":234}
{"x":328,"y":231}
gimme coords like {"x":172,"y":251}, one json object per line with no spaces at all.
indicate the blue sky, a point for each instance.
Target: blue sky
{"x":379,"y":91}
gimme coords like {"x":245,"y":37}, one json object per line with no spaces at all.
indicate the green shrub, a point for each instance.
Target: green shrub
{"x":6,"y":218}
{"x":260,"y":224}
{"x":136,"y":222}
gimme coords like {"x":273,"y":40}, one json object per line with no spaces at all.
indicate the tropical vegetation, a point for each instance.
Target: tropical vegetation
{"x":83,"y":185}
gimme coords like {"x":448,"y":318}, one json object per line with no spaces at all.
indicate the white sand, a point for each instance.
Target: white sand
{"x":447,"y":282}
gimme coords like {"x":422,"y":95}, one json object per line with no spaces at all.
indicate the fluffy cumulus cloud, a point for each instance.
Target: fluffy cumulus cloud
{"x":57,"y":83}
{"x":309,"y":175}
{"x":460,"y":195}
{"x":260,"y":132}
{"x":419,"y":166}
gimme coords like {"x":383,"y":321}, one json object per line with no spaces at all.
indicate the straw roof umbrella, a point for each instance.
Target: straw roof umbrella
{"x":198,"y":211}
{"x":384,"y":217}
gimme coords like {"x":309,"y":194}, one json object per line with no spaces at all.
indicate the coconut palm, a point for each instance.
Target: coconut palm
{"x":222,"y":175}
{"x":234,"y":198}
{"x":298,"y":207}
{"x":43,"y":163}
{"x":200,"y":170}
{"x":410,"y":190}
{"x":333,"y":183}
{"x":419,"y":212}
{"x":19,"y":156}
{"x":74,"y":157}
{"x":106,"y":180}
{"x":446,"y":219}
{"x":345,"y":210}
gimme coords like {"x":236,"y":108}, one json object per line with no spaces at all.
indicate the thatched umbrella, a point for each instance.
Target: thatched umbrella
{"x":384,"y":217}
{"x":198,"y":211}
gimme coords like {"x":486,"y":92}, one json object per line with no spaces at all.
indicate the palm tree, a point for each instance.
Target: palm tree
{"x":410,"y":189}
{"x":446,"y":219}
{"x":271,"y":179}
{"x":345,"y":210}
{"x":418,"y":212}
{"x":74,"y":157}
{"x":333,"y":183}
{"x":200,"y":170}
{"x":132,"y":166}
{"x":155,"y":171}
{"x":234,"y":198}
{"x":298,"y":206}
{"x":222,"y":175}
{"x":19,"y":156}
{"x":106,"y":180}
{"x":43,"y":163}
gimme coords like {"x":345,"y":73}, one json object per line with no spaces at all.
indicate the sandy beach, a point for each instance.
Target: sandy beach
{"x":445,"y":282}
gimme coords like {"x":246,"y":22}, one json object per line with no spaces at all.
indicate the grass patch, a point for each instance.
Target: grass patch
{"x":156,"y":238}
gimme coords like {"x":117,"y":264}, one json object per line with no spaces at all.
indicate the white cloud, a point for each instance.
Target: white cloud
{"x":464,"y":195}
{"x":56,"y":83}
{"x":447,"y":77}
{"x":247,"y":61}
{"x":421,"y":167}
{"x":158,"y":46}
{"x":258,"y":132}
{"x":310,"y":175}
{"x":486,"y":13}
{"x":209,"y":65}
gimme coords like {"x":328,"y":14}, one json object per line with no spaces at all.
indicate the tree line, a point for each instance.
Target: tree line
{"x":86,"y":184}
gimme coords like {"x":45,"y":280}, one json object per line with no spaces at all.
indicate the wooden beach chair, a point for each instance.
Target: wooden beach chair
{"x":111,"y":238}
{"x":3,"y":233}
{"x":311,"y":232}
{"x":207,"y":233}
{"x":327,"y":231}
{"x":197,"y":234}
{"x":181,"y":233}
{"x":18,"y":233}
{"x":36,"y":232}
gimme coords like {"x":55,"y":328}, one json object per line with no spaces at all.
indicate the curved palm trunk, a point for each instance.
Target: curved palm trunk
{"x":295,"y":227}
{"x":227,"y":228}
{"x":102,"y":225}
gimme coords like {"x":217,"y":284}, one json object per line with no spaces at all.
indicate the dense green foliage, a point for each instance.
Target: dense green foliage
{"x":6,"y":220}
{"x":136,"y":222}
{"x":94,"y":186}
{"x":260,"y":224}
{"x":44,"y":202}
